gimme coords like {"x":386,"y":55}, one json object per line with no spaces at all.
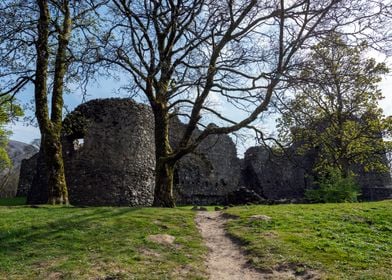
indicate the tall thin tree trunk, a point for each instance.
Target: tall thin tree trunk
{"x":164,"y":169}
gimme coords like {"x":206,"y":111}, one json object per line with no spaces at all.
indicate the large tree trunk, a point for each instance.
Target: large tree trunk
{"x":164,"y":185}
{"x":58,"y":193}
{"x":164,"y":169}
{"x":51,"y":127}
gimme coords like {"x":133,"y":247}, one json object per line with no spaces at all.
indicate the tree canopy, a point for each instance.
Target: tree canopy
{"x":181,"y":54}
{"x":335,"y":108}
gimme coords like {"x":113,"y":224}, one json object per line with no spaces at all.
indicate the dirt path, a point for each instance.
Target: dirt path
{"x":225,"y":259}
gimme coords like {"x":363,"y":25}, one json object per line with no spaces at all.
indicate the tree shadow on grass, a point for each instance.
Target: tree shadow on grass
{"x":63,"y":235}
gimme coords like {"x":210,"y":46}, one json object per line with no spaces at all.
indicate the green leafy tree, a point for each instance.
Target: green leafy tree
{"x":335,"y":109}
{"x":8,"y":111}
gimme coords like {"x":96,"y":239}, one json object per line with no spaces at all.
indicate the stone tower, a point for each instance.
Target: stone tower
{"x":109,"y":155}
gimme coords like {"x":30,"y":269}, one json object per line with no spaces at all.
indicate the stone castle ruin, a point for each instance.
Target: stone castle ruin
{"x":109,"y":158}
{"x":109,"y":155}
{"x":208,"y":174}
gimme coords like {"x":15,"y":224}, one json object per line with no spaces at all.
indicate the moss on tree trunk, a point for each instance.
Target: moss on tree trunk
{"x":50,"y":126}
{"x":58,"y":193}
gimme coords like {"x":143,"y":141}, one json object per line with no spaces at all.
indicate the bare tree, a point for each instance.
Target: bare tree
{"x":41,"y":44}
{"x":181,"y":53}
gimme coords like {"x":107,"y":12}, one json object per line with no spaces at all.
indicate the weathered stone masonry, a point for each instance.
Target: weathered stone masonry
{"x":109,"y":155}
{"x":115,"y":164}
{"x":207,"y":175}
{"x":287,"y":176}
{"x":108,"y":149}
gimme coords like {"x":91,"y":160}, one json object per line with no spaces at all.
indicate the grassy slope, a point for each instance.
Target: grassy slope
{"x":98,"y":243}
{"x":343,"y":241}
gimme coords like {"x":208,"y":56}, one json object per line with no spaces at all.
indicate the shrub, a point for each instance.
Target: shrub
{"x":334,"y":187}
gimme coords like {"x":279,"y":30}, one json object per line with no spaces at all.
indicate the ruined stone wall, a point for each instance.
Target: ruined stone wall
{"x":207,"y":175}
{"x":115,"y":163}
{"x":375,"y":185}
{"x":275,"y":177}
{"x":109,"y":155}
{"x":27,"y":172}
{"x":108,"y":149}
{"x":287,"y":177}
{"x":38,"y":191}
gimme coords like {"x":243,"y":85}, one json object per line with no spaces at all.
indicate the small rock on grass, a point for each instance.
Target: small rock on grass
{"x":260,"y":218}
{"x":163,"y":239}
{"x":199,"y":208}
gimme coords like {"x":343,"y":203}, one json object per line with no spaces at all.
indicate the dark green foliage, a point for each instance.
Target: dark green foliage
{"x":12,"y":201}
{"x":334,"y":187}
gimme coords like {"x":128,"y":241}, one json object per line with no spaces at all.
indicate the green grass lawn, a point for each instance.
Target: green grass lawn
{"x":341,"y":241}
{"x":98,"y":243}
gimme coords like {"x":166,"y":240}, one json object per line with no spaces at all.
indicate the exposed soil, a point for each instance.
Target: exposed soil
{"x":226,"y":260}
{"x":163,"y":239}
